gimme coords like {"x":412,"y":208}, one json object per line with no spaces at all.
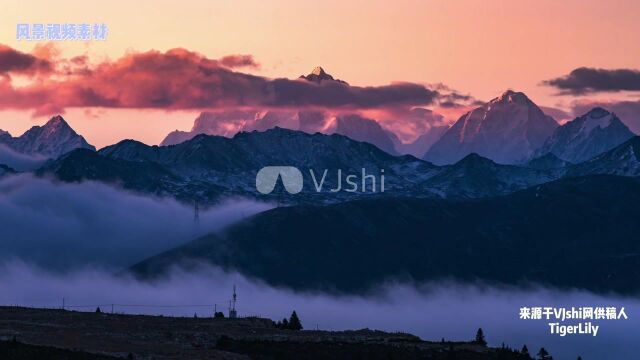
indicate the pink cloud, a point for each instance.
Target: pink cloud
{"x":182,"y":79}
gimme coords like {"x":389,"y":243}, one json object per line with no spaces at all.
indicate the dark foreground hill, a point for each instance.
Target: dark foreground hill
{"x":15,"y":350}
{"x":576,"y":232}
{"x":100,"y":336}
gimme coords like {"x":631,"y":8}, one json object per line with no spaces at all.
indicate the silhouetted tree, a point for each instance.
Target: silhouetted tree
{"x":579,"y":357}
{"x":285,"y":323}
{"x":480,"y":338}
{"x":98,"y":311}
{"x":543,"y":354}
{"x":525,"y":350}
{"x":218,"y":315}
{"x":195,"y":315}
{"x":294,"y":322}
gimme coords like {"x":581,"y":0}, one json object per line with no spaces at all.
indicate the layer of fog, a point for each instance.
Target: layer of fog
{"x":65,"y":226}
{"x":19,"y":161}
{"x":434,"y":311}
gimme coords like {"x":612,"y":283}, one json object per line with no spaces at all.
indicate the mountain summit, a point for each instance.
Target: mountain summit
{"x":507,"y":129}
{"x":586,"y":136}
{"x":52,"y":139}
{"x":319,"y":75}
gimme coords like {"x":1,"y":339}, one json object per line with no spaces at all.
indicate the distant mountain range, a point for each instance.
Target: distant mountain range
{"x":354,"y":125}
{"x":230,"y":123}
{"x":575,"y":232}
{"x":510,"y":129}
{"x":51,"y":140}
{"x":559,"y":210}
{"x":208,"y":168}
{"x":423,"y":143}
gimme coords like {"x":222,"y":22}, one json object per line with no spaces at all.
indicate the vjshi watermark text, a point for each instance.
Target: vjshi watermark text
{"x":561,"y":314}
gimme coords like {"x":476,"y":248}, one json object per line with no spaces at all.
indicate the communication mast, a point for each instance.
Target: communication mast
{"x":232,"y":305}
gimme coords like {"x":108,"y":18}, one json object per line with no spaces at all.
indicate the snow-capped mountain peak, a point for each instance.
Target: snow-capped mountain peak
{"x":319,"y":75}
{"x":51,"y":140}
{"x":507,"y":130}
{"x":511,"y":96}
{"x":597,"y":117}
{"x":318,"y":71}
{"x":586,"y":136}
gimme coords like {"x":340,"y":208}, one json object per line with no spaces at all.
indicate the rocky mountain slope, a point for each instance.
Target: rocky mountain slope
{"x":51,"y":140}
{"x":507,"y":130}
{"x":574,"y":233}
{"x":586,"y":136}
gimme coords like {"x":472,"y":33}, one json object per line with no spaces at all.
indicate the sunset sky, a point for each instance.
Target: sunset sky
{"x":476,"y":48}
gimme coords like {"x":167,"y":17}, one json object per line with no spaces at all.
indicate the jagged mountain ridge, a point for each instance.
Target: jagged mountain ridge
{"x":248,"y":152}
{"x":623,"y":160}
{"x":318,"y":75}
{"x":507,"y":130}
{"x":586,"y":136}
{"x":351,"y":124}
{"x":547,"y":162}
{"x":475,"y":176}
{"x":230,"y":123}
{"x":207,"y":168}
{"x":51,"y":140}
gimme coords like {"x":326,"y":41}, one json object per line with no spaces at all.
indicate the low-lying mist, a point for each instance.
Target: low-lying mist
{"x":65,"y":226}
{"x":19,"y":161}
{"x":90,"y":230}
{"x":432,"y":311}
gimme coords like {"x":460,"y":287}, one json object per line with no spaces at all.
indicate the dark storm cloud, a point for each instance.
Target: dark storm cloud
{"x":449,"y":98}
{"x":588,"y":80}
{"x":14,"y":61}
{"x":336,"y":94}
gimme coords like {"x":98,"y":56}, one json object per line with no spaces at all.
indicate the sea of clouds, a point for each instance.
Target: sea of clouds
{"x":70,"y":241}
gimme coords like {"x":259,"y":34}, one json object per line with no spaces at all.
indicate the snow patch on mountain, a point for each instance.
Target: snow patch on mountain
{"x":51,"y":140}
{"x":508,"y":130}
{"x":586,"y":136}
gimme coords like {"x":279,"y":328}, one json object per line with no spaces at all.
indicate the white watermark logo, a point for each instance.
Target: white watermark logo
{"x":267,"y":178}
{"x":293,"y":181}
